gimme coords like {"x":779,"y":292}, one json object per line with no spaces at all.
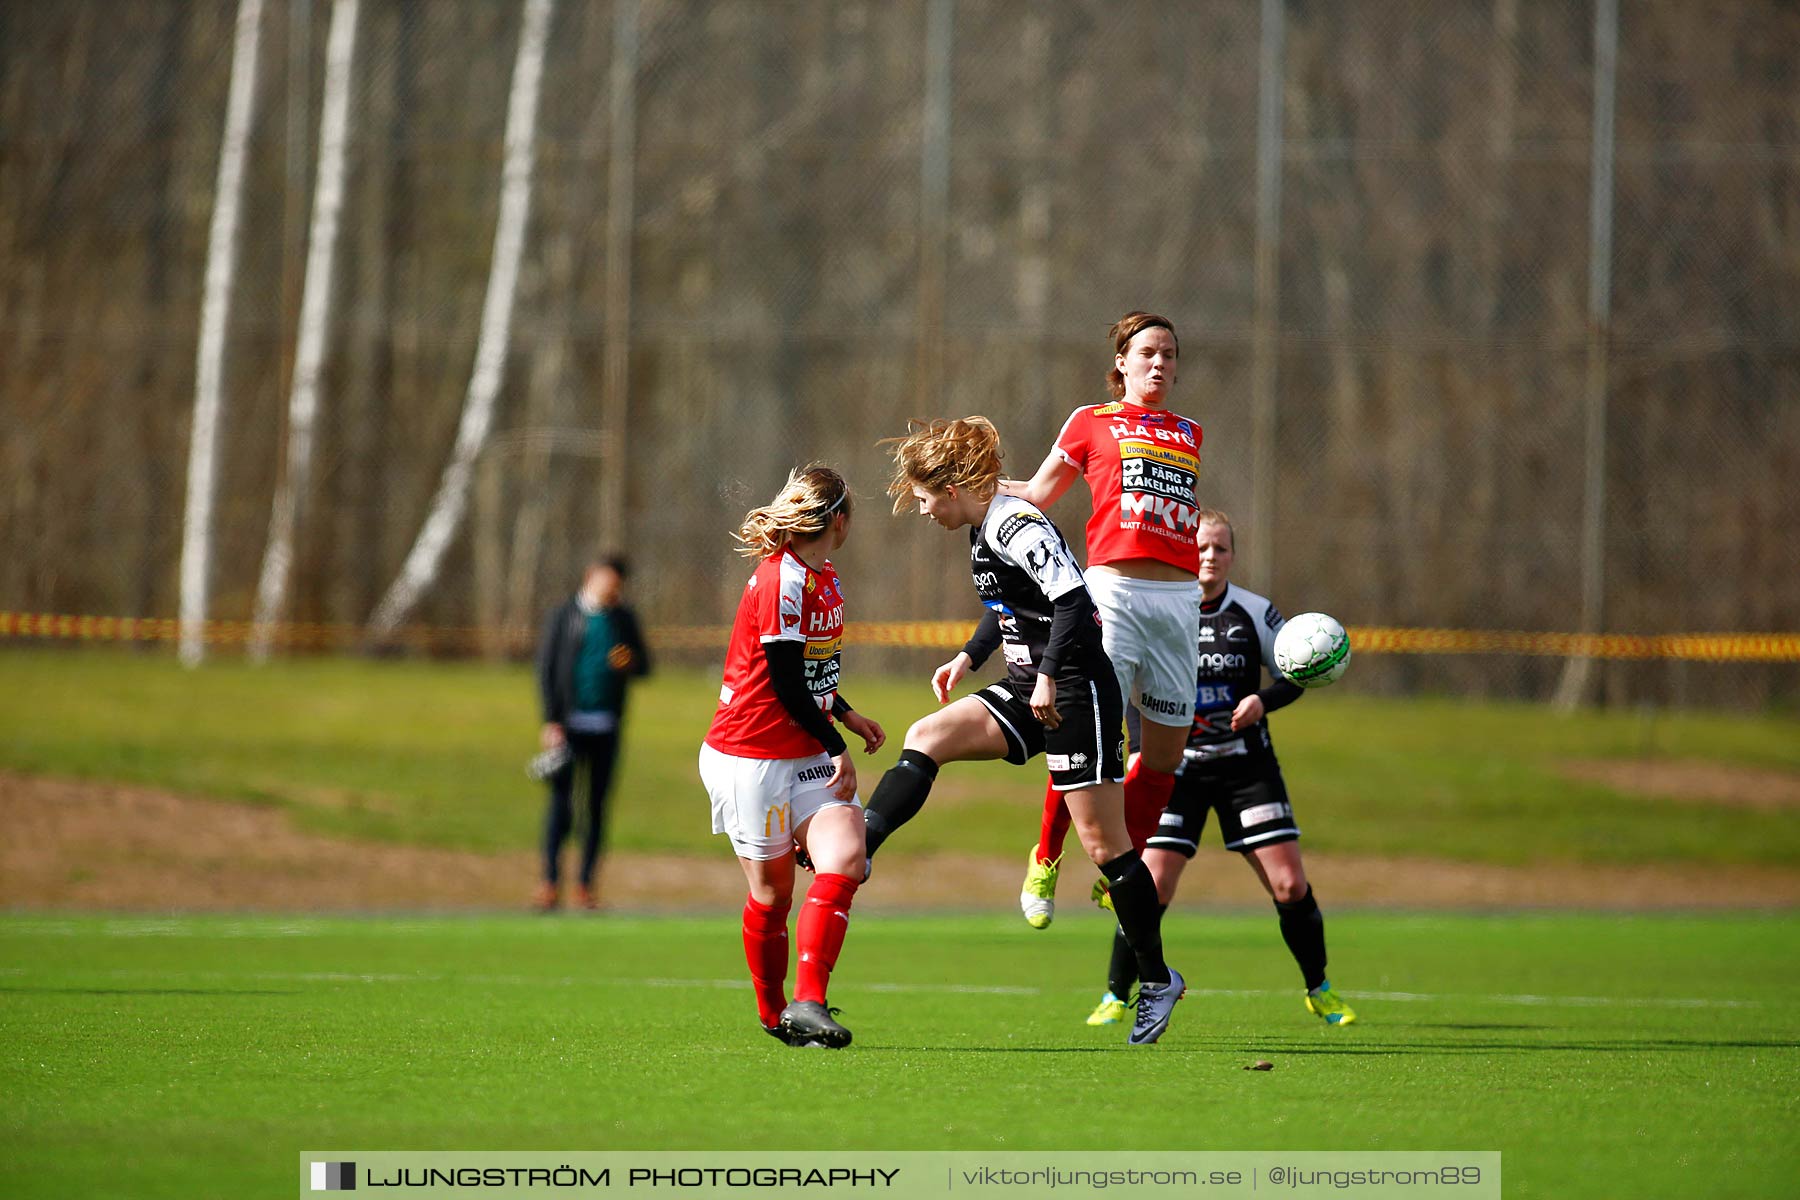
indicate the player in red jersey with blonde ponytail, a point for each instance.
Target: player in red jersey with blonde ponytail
{"x":777,"y":770}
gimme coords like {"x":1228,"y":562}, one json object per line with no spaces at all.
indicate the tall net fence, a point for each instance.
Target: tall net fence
{"x":1490,"y":310}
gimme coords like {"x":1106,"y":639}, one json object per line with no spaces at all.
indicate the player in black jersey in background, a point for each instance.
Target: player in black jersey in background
{"x":1060,"y":696}
{"x":1229,"y":767}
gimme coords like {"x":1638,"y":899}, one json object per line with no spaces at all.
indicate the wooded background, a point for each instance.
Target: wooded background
{"x":768,"y":231}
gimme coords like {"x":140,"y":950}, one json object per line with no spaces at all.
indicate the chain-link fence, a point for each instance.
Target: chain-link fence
{"x":1490,"y":309}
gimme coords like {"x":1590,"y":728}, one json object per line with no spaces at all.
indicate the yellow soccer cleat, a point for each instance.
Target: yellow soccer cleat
{"x":1325,"y":1004}
{"x":1110,"y":1011}
{"x":1103,"y":893}
{"x":1037,"y":899}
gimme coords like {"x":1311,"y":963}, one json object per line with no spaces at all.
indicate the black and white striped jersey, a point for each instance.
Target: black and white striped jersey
{"x":1237,"y":640}
{"x":1021,"y":564}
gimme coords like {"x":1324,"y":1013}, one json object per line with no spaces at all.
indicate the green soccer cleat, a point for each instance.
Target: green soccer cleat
{"x":1110,"y":1011}
{"x":1102,"y":893}
{"x":1325,"y":1004}
{"x":1037,"y":899}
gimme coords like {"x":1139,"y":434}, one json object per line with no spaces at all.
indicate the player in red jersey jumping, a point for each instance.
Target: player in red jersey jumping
{"x":777,"y":770}
{"x":1141,"y":461}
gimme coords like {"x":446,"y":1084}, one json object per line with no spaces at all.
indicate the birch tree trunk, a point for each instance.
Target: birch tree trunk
{"x":215,"y":312}
{"x":315,"y":324}
{"x":447,"y":508}
{"x":546,"y":402}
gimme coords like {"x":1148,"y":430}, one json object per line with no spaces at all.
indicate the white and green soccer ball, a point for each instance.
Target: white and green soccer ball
{"x":1313,"y":650}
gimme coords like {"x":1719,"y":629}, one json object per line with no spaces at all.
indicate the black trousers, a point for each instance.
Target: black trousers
{"x":590,"y":766}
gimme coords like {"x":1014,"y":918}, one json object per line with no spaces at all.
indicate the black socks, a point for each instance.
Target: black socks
{"x":1122,"y":972}
{"x":1303,"y":929}
{"x":1140,"y":913}
{"x":898,"y":797}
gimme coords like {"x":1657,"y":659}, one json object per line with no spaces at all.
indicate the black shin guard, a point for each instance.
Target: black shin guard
{"x":1122,"y":972}
{"x":1140,"y":914}
{"x":1303,"y":929}
{"x":898,"y":797}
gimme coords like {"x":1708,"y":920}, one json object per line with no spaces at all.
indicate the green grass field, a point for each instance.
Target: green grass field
{"x":1603,"y":1056}
{"x":431,"y":753}
{"x":180,"y":1056}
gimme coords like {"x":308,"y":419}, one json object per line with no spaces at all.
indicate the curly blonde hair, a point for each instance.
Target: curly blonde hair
{"x":936,"y":455}
{"x":804,"y":507}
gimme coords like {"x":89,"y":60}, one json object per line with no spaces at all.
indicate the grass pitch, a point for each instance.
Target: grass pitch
{"x":431,"y":753}
{"x":1603,"y":1056}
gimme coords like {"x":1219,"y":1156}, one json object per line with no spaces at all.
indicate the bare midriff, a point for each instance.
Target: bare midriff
{"x":1145,"y":568}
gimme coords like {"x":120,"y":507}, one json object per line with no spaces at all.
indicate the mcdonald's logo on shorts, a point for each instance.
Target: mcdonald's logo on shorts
{"x":776,"y":820}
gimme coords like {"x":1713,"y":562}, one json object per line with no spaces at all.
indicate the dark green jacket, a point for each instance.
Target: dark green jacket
{"x":560,"y":646}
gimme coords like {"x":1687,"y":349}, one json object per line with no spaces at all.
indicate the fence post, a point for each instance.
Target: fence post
{"x":621,"y":202}
{"x":934,"y":203}
{"x":1578,"y":674}
{"x":1265,"y":341}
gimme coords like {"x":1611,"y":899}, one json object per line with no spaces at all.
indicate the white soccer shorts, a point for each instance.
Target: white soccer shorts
{"x":1151,"y":630}
{"x":759,"y":802}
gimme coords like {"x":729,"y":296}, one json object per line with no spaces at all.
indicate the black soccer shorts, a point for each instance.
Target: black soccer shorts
{"x":1088,"y":748}
{"x":1252,"y":805}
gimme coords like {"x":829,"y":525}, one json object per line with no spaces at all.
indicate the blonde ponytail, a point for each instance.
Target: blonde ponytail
{"x":804,"y":507}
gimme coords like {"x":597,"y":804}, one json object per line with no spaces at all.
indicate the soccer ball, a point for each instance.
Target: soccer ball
{"x":1313,"y":650}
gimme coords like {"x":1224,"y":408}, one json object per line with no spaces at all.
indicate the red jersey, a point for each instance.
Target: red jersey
{"x":1142,"y":465}
{"x":785,"y":601}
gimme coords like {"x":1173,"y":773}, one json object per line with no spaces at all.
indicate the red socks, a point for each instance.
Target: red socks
{"x":766,"y":950}
{"x":824,"y":919}
{"x":1055,"y":828}
{"x":1146,"y":795}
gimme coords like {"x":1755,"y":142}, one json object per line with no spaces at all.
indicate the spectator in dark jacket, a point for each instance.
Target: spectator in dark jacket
{"x":591,"y":647}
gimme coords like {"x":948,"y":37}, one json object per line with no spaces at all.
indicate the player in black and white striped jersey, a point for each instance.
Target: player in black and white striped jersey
{"x":1229,"y":767}
{"x":1060,"y":696}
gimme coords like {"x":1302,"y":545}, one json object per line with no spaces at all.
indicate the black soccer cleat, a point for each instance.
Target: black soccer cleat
{"x":809,"y":1023}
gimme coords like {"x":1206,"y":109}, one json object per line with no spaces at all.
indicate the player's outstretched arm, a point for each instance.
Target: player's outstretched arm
{"x":1047,"y":486}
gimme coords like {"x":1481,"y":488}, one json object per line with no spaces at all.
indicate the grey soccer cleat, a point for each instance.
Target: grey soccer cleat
{"x":1155,"y":1005}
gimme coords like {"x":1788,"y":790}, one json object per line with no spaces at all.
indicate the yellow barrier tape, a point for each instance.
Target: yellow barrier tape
{"x":940,"y":635}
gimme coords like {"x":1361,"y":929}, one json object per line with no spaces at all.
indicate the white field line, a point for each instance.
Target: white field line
{"x":958,"y":989}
